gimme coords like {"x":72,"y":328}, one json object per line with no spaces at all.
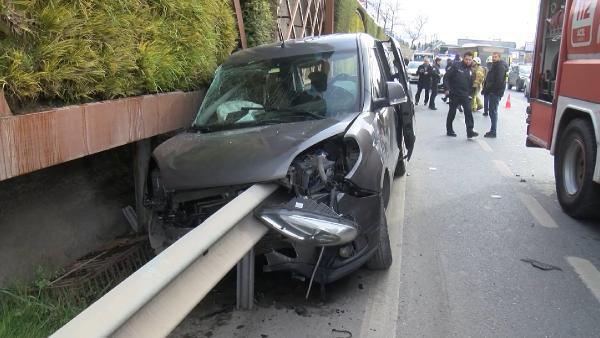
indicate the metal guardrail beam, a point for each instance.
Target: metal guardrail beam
{"x":152,"y":301}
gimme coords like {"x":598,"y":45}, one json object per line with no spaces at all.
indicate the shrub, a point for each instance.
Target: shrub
{"x":260,"y":21}
{"x":65,"y":51}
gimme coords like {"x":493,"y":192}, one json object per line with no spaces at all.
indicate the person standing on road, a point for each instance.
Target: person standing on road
{"x":436,"y":75}
{"x":486,"y":100}
{"x":448,"y":65}
{"x":495,"y":83}
{"x":424,"y":72}
{"x":478,"y":77}
{"x":459,"y":85}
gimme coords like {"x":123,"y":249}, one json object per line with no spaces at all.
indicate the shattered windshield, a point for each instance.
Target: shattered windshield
{"x":291,"y":89}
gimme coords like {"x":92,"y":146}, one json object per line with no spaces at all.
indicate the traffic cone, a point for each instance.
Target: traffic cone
{"x":507,"y":106}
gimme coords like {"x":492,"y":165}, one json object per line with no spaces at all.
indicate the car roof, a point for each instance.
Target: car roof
{"x":321,"y":44}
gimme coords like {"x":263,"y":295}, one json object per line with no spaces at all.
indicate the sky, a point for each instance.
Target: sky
{"x":508,"y":20}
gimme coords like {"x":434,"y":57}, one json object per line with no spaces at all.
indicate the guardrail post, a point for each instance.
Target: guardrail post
{"x":245,"y":282}
{"x":142,"y":154}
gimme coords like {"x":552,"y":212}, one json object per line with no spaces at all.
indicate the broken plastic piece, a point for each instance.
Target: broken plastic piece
{"x":540,"y":265}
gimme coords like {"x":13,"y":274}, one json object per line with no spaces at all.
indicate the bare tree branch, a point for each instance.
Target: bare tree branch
{"x":415,"y":30}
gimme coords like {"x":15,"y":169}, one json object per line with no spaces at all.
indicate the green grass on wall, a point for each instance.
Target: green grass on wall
{"x":68,"y":51}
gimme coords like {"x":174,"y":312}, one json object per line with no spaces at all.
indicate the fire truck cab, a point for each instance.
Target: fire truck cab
{"x":564,"y":104}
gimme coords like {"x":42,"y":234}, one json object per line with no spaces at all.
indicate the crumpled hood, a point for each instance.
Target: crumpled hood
{"x":259,"y":154}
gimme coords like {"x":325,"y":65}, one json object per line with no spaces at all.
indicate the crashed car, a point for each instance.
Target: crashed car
{"x":328,"y":119}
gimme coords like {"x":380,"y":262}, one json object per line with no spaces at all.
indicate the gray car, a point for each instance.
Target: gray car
{"x":328,"y":119}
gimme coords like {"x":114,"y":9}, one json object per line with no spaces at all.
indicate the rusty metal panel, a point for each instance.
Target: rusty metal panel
{"x":106,"y":125}
{"x":34,"y":141}
{"x":4,"y":108}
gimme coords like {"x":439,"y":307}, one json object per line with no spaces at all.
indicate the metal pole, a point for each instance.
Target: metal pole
{"x":240,"y":23}
{"x":245,"y":282}
{"x":142,"y":155}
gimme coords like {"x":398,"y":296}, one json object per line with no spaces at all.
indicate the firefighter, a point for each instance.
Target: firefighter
{"x":459,"y":85}
{"x":478,"y":77}
{"x":486,"y":100}
{"x":495,"y":83}
{"x":424,"y":72}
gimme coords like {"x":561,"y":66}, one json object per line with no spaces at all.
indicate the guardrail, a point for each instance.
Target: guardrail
{"x":157,"y":297}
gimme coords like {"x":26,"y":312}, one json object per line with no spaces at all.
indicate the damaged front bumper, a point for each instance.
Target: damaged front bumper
{"x":306,"y":221}
{"x":349,"y":239}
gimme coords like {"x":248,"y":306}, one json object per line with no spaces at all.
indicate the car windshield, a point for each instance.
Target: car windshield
{"x":525,"y":70}
{"x":283,"y":90}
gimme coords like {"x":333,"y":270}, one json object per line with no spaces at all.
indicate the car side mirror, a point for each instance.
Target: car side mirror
{"x":395,"y":96}
{"x":396,"y":93}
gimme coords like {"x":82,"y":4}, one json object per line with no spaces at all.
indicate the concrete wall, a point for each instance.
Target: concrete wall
{"x":53,"y":216}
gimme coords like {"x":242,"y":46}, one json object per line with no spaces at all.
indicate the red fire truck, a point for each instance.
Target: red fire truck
{"x":564,"y":104}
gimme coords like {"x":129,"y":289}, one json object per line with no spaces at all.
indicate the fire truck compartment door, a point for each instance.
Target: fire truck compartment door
{"x":542,"y":118}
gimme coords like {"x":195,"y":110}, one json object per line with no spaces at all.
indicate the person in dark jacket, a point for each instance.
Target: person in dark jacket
{"x":424,"y":72}
{"x":459,"y":85}
{"x":436,"y":75}
{"x":495,"y":83}
{"x":448,"y":65}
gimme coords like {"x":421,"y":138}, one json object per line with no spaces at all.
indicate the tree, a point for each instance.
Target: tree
{"x":416,"y":29}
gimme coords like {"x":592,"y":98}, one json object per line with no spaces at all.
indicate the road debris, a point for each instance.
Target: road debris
{"x":360,"y":286}
{"x":496,"y":196}
{"x":346,"y":332}
{"x":523,"y":180}
{"x":540,"y":265}
{"x":301,"y":310}
{"x":432,"y":168}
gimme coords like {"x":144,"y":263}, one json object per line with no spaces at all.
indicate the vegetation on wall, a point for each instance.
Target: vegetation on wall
{"x":64,"y":51}
{"x":345,"y":19}
{"x":260,"y":21}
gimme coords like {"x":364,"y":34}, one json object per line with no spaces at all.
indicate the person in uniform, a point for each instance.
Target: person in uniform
{"x":478,"y":78}
{"x":424,"y":72}
{"x":459,"y":85}
{"x":436,"y":75}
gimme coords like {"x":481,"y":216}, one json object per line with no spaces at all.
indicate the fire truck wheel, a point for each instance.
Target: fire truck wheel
{"x":574,"y":166}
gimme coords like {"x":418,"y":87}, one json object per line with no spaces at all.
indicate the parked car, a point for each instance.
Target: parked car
{"x":411,"y":69}
{"x":328,"y":119}
{"x":518,"y":75}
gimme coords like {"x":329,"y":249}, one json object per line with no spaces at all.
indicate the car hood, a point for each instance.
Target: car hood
{"x":193,"y":160}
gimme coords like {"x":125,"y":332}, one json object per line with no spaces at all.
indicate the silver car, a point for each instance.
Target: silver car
{"x":325,"y":118}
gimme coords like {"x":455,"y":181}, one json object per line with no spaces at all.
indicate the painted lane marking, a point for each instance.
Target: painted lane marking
{"x":537,"y":211}
{"x":503,"y":168}
{"x":485,"y":146}
{"x":588,"y":274}
{"x":383,"y":305}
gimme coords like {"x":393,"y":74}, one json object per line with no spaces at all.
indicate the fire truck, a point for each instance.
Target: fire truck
{"x":564,"y":103}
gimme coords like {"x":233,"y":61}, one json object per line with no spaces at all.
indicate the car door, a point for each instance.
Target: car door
{"x":406,"y":111}
{"x":385,"y":117}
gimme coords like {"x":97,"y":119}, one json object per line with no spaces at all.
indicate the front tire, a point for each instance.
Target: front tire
{"x":382,"y":259}
{"x":574,"y":164}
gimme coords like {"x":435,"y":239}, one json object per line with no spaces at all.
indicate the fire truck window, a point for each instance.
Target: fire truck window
{"x":550,"y":49}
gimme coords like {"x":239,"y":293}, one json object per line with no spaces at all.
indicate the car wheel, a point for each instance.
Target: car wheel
{"x":509,"y":86}
{"x":382,"y":259}
{"x":574,"y":164}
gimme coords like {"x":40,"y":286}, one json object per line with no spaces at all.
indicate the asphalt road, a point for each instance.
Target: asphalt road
{"x":460,"y":222}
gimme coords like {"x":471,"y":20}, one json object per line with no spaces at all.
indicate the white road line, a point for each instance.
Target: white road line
{"x":588,"y":274}
{"x":485,"y":146}
{"x":503,"y":168}
{"x":383,"y":305}
{"x":537,"y":211}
